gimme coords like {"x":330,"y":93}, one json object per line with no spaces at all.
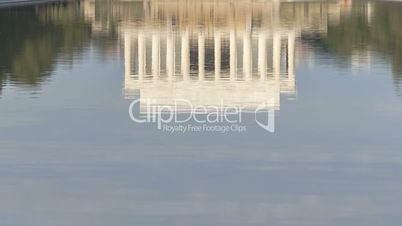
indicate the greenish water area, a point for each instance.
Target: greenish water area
{"x":188,"y":112}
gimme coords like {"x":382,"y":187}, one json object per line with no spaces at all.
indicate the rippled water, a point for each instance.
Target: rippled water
{"x":331,"y":71}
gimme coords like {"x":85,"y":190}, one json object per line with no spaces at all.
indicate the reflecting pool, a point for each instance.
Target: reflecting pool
{"x":187,"y":112}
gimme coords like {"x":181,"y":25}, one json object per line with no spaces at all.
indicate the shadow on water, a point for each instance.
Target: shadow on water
{"x":32,"y":39}
{"x":364,"y":28}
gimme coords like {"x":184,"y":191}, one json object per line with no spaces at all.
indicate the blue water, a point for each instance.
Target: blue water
{"x":71,"y":155}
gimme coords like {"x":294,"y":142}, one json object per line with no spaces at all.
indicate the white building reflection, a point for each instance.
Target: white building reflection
{"x":209,"y":56}
{"x":237,"y":52}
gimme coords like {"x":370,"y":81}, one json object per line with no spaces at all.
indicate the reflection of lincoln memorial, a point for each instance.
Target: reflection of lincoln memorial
{"x":209,"y":52}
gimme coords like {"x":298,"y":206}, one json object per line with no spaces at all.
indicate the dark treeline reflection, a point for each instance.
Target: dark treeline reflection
{"x":363,"y":30}
{"x":33,"y":38}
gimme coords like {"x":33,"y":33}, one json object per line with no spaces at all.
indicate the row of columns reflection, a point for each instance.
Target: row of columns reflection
{"x":140,"y":38}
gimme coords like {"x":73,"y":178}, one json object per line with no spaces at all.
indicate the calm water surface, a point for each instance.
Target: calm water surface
{"x":70,"y":155}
